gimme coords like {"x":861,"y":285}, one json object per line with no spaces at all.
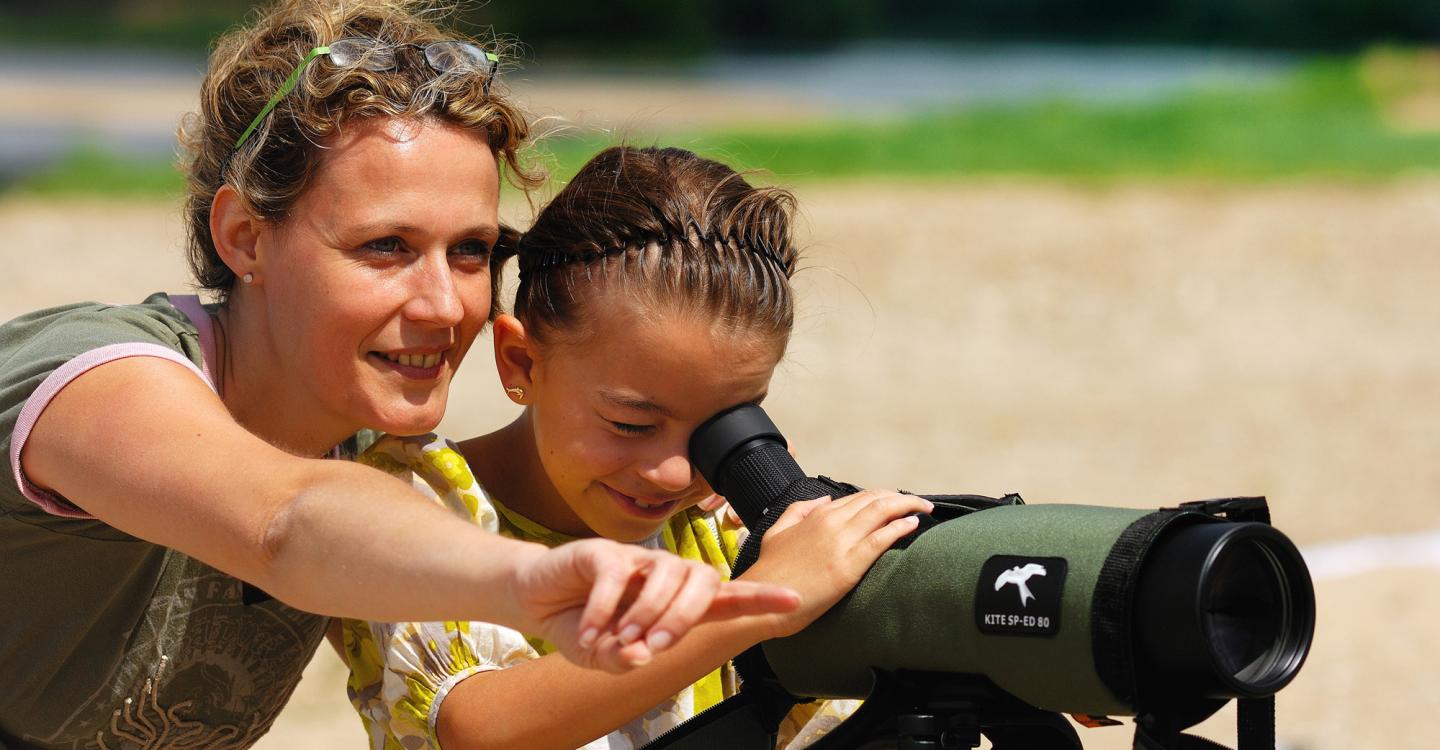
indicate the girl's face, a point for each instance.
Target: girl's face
{"x":612,"y":413}
{"x":379,"y":280}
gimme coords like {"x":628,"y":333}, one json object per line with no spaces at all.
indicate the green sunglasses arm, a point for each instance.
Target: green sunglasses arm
{"x":284,"y":89}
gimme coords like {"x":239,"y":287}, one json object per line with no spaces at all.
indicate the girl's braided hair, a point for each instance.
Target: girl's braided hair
{"x":677,"y":232}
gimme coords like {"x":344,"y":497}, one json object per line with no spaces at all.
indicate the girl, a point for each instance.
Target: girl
{"x":654,"y":291}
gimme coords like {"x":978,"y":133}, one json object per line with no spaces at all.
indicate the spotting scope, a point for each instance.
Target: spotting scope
{"x":1164,"y":614}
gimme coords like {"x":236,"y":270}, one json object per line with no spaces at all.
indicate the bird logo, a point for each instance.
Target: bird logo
{"x":1018,"y":575}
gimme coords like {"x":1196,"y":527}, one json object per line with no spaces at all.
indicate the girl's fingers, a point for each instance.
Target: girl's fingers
{"x":712,"y":503}
{"x":797,"y":512}
{"x":861,"y":499}
{"x":716,"y":502}
{"x":885,"y":508}
{"x":886,"y":536}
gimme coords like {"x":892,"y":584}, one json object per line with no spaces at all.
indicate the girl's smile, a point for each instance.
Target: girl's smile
{"x":650,"y":508}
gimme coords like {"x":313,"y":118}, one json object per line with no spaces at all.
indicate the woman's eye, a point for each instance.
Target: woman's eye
{"x":385,"y":245}
{"x":472,"y":249}
{"x":632,"y":429}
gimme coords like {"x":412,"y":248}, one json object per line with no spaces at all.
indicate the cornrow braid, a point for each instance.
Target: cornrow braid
{"x":540,"y":261}
{"x":673,"y":230}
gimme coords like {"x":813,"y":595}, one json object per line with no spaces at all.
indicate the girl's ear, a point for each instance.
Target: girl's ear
{"x":234,"y":233}
{"x":515,"y":356}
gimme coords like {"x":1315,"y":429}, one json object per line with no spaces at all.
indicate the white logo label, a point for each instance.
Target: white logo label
{"x":1018,"y":575}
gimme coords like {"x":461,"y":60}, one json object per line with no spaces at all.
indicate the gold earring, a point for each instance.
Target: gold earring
{"x":515,"y":391}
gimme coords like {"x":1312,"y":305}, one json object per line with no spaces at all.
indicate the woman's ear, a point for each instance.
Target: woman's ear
{"x":235,"y":233}
{"x":515,"y":357}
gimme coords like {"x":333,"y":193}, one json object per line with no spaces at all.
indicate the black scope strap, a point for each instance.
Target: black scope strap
{"x":1256,"y":723}
{"x":1110,"y":616}
{"x":1255,"y":730}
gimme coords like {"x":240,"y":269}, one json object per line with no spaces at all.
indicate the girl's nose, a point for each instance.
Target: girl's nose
{"x":672,"y":473}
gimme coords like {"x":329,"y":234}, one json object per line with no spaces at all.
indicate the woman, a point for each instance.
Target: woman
{"x":654,"y":292}
{"x":165,"y":457}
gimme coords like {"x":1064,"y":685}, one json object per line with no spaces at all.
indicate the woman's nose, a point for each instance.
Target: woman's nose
{"x":434,"y":297}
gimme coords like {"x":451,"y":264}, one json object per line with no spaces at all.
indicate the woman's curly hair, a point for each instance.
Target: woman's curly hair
{"x":275,"y":165}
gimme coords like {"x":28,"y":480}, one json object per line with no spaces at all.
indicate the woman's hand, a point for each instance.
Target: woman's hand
{"x":822,"y":548}
{"x":612,"y":606}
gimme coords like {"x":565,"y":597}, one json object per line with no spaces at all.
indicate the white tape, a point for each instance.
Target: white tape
{"x":1368,"y":554}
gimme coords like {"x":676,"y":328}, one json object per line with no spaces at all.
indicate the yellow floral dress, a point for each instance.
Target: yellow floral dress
{"x":400,"y":672}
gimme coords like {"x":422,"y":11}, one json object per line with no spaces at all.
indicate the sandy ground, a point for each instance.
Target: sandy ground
{"x":1132,"y":345}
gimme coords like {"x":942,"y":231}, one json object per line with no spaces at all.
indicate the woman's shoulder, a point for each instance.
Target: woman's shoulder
{"x":80,"y":327}
{"x":43,"y":351}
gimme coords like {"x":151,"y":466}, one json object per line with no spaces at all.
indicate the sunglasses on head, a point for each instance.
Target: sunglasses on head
{"x":371,"y":54}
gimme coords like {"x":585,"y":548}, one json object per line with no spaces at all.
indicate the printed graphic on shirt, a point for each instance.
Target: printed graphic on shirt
{"x":201,"y":670}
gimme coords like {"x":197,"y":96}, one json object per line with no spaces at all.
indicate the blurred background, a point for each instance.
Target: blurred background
{"x":1124,"y":252}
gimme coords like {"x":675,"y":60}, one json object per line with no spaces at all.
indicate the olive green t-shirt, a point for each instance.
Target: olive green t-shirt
{"x":108,"y":641}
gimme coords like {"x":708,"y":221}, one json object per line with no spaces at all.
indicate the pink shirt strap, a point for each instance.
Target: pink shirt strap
{"x":85,"y":362}
{"x":205,"y":325}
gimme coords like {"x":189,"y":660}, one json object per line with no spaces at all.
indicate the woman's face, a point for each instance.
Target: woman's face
{"x":379,"y":280}
{"x":612,"y":414}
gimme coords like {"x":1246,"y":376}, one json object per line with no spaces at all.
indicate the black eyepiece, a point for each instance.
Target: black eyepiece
{"x":727,"y":435}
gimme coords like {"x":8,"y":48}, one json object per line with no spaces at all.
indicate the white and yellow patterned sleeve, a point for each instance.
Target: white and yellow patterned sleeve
{"x":401,"y":672}
{"x":808,"y":723}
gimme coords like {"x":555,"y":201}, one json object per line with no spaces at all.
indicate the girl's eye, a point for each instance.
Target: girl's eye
{"x":632,"y":429}
{"x":384,"y":245}
{"x":472,"y":249}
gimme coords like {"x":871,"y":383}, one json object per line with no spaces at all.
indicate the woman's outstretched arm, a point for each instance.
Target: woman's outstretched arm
{"x":144,"y":446}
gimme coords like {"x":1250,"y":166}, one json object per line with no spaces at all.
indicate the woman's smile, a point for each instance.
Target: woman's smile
{"x":426,"y":364}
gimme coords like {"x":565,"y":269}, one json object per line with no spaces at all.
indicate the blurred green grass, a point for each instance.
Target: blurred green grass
{"x":90,"y":171}
{"x":1326,"y":121}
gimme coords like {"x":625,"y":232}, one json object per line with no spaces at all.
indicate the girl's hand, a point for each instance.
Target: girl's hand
{"x":716,"y":502}
{"x":611,"y":606}
{"x":822,"y":548}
